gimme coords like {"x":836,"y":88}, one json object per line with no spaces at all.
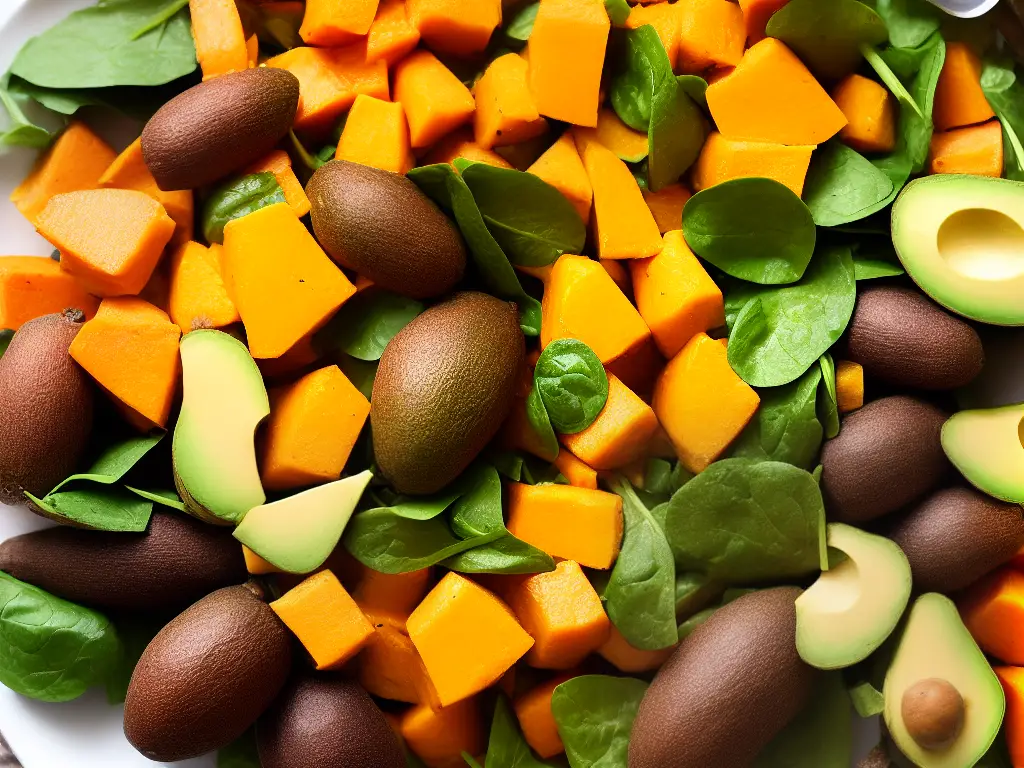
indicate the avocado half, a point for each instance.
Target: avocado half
{"x":987,"y":446}
{"x":961,"y":239}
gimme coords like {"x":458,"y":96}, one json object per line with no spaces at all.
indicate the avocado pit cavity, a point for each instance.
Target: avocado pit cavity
{"x":983,"y":244}
{"x":933,"y":712}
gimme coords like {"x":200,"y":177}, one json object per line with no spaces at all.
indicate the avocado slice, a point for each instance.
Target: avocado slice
{"x":961,"y":239}
{"x":298,"y":534}
{"x":213,"y":452}
{"x":943,"y":703}
{"x":854,"y":606}
{"x":987,"y":446}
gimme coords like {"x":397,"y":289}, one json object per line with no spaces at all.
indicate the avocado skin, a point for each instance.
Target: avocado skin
{"x":728,"y":689}
{"x":174,"y":563}
{"x":444,"y":386}
{"x":877,"y":758}
{"x":326,"y":721}
{"x":956,"y":536}
{"x":207,"y":676}
{"x":46,"y":407}
{"x":903,"y":338}
{"x":219,"y":126}
{"x":888,"y":455}
{"x":382,"y":226}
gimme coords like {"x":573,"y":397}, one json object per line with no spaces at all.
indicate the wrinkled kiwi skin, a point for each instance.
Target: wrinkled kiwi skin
{"x":326,"y":721}
{"x":46,"y":407}
{"x":382,"y":226}
{"x":207,"y":676}
{"x":728,"y":689}
{"x":444,"y":386}
{"x":219,"y":126}
{"x":174,"y":563}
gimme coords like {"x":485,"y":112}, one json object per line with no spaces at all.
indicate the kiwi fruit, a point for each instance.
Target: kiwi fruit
{"x":727,"y":690}
{"x":207,"y":676}
{"x":46,"y":407}
{"x":382,"y":226}
{"x":887,"y":456}
{"x":219,"y":126}
{"x":902,"y":338}
{"x":326,"y":721}
{"x":444,"y":386}
{"x":174,"y":563}
{"x":956,"y":536}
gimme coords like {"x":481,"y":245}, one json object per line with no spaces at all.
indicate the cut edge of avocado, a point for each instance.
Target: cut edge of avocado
{"x":987,"y":447}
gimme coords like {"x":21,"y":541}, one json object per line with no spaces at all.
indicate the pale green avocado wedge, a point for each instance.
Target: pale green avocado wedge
{"x":853,"y":607}
{"x":936,"y":648}
{"x":214,"y":453}
{"x":961,"y":239}
{"x":299,"y":533}
{"x":987,"y":446}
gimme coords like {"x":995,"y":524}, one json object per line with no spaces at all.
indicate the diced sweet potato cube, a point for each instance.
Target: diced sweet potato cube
{"x":870,"y":112}
{"x":619,"y":434}
{"x":31,"y":287}
{"x":722,"y":159}
{"x":440,"y":736}
{"x":561,"y":167}
{"x":458,"y":27}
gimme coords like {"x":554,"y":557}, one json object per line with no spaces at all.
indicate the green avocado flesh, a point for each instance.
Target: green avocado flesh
{"x":214,"y":453}
{"x":299,"y":533}
{"x":987,"y":446}
{"x":961,"y":239}
{"x":936,"y":644}
{"x":853,"y":607}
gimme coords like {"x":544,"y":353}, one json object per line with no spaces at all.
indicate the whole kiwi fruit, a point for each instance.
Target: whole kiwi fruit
{"x":956,"y":536}
{"x":174,"y":563}
{"x":207,"y":676}
{"x":444,"y":386}
{"x":903,"y":338}
{"x":219,"y":126}
{"x":326,"y":721}
{"x":46,"y":407}
{"x":382,"y":226}
{"x":727,"y":690}
{"x":887,"y":456}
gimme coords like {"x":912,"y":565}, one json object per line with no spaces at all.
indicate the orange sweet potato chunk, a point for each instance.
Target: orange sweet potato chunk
{"x":702,"y":403}
{"x":376,"y":134}
{"x":110,"y":240}
{"x":849,"y":385}
{"x":313,"y":426}
{"x":197,"y":295}
{"x":280,"y":164}
{"x":280,"y":300}
{"x":219,"y":37}
{"x":325,"y":619}
{"x":561,"y":167}
{"x":712,"y":33}
{"x":756,"y":15}
{"x":771,"y":96}
{"x":667,"y":206}
{"x":331,"y":23}
{"x":1012,"y":680}
{"x":959,"y":100}
{"x":572,"y":523}
{"x":975,"y":150}
{"x":458,"y":27}
{"x":566,"y":53}
{"x":870,"y":113}
{"x":397,"y":592}
{"x":533,"y":710}
{"x":467,"y":637}
{"x":439,"y":736}
{"x":993,"y":611}
{"x":575,"y":471}
{"x":392,"y":35}
{"x":436,"y":102}
{"x":460,"y":143}
{"x":722,"y":159}
{"x":625,"y":658}
{"x":31,"y":287}
{"x":256,"y":565}
{"x":131,"y":349}
{"x":505,"y":110}
{"x":389,"y":666}
{"x":75,"y":162}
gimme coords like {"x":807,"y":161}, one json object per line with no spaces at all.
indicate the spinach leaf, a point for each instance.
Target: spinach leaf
{"x":871,"y":262}
{"x":241,"y":753}
{"x":532,"y":221}
{"x":101,"y":46}
{"x":135,"y":632}
{"x":309,"y":160}
{"x":827,"y":34}
{"x":910,"y":22}
{"x":506,"y":555}
{"x":360,"y":372}
{"x":828,"y":404}
{"x":595,"y":715}
{"x":366,"y":323}
{"x":572,"y":383}
{"x":687,"y":627}
{"x":22,"y":132}
{"x":742,"y":521}
{"x":537,"y":415}
{"x":424,"y":507}
{"x":116,"y":460}
{"x":618,"y":11}
{"x":843,"y":186}
{"x":63,"y":101}
{"x":448,"y":190}
{"x":752,"y":229}
{"x":821,"y":736}
{"x":867,"y":700}
{"x":506,"y":747}
{"x":892,"y":82}
{"x":50,"y":649}
{"x":6,"y":337}
{"x":696,"y":88}
{"x":694,"y":592}
{"x":639,"y":68}
{"x":1005,"y":95}
{"x":785,"y":427}
{"x":658,"y":477}
{"x":781,"y":332}
{"x":640,"y":596}
{"x":165,"y":498}
{"x":238,"y":198}
{"x":470,"y":761}
{"x":676,"y":133}
{"x":521,"y":25}
{"x":101,"y":508}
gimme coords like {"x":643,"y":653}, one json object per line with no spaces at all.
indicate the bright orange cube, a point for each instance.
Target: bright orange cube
{"x":440,"y":736}
{"x":870,"y":112}
{"x":436,"y":102}
{"x":561,"y":167}
{"x":331,"y":23}
{"x":533,"y":710}
{"x":458,"y":27}
{"x":31,"y":287}
{"x":993,"y":611}
{"x":392,"y":35}
{"x":376,"y":134}
{"x":505,"y":110}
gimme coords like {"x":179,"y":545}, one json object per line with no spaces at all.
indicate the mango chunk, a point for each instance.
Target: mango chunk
{"x":976,"y":150}
{"x":723,"y":159}
{"x":197,"y":295}
{"x":959,"y":99}
{"x":31,"y":287}
{"x":376,"y":134}
{"x":505,"y":110}
{"x":392,"y":35}
{"x":533,"y":710}
{"x":561,"y":167}
{"x":620,"y":433}
{"x":389,"y":665}
{"x":870,"y":112}
{"x":438,"y":737}
{"x":712,"y":33}
{"x":328,"y":23}
{"x":458,"y":27}
{"x":993,"y":610}
{"x":436,"y":102}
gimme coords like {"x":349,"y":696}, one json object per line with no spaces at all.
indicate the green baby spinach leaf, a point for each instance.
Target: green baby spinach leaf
{"x":910,"y":22}
{"x":103,"y":508}
{"x":238,"y":198}
{"x":505,"y":555}
{"x":892,"y":82}
{"x":163,"y":497}
{"x":116,"y":460}
{"x":241,"y":753}
{"x":360,"y":372}
{"x":785,"y":427}
{"x":521,"y":25}
{"x":752,"y":229}
{"x":676,"y":133}
{"x":639,"y":67}
{"x":780,"y":332}
{"x":618,"y":11}
{"x":532,"y":221}
{"x":506,"y":747}
{"x":867,"y":700}
{"x":63,"y":101}
{"x":572,"y":383}
{"x":828,"y":405}
{"x":821,"y":736}
{"x":50,"y":649}
{"x":594,"y":715}
{"x":827,"y":34}
{"x":540,"y":422}
{"x":6,"y":337}
{"x":21,"y":132}
{"x":694,"y":592}
{"x":424,"y":507}
{"x":688,"y":625}
{"x":874,"y":260}
{"x":843,"y":186}
{"x":449,"y":190}
{"x":640,"y":596}
{"x":658,"y":477}
{"x":1005,"y":94}
{"x":367,"y":322}
{"x":696,"y":88}
{"x":468,"y":760}
{"x":116,"y":42}
{"x":743,"y":521}
{"x":135,"y":632}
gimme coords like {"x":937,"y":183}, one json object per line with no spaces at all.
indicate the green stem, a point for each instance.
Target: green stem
{"x":889,"y":78}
